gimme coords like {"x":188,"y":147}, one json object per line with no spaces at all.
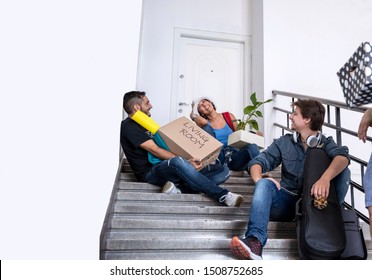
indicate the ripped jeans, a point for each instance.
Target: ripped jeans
{"x":235,"y":159}
{"x":238,"y":160}
{"x":179,"y":171}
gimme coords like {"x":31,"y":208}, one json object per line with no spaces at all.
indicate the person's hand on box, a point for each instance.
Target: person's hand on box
{"x":196,"y":163}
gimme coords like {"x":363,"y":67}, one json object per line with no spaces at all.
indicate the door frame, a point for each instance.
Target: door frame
{"x":213,"y":36}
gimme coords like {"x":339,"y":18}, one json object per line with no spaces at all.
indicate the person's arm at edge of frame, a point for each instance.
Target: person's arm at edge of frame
{"x":364,"y":124}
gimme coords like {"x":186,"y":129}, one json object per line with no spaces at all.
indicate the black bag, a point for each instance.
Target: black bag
{"x":355,"y":248}
{"x":320,"y":232}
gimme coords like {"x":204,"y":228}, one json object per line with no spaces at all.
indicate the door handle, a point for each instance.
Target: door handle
{"x":184,"y":104}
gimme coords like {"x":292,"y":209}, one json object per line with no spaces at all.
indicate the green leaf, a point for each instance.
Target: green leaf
{"x":267,"y":100}
{"x":259,"y":114}
{"x":241,"y":126}
{"x":248,"y":110}
{"x":253,"y":124}
{"x":253,"y":98}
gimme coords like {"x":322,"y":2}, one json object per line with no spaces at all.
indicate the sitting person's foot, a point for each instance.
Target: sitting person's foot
{"x":249,"y":248}
{"x":169,"y":188}
{"x":232,"y":199}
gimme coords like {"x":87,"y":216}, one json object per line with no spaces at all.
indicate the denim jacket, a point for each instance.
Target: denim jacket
{"x":291,"y":156}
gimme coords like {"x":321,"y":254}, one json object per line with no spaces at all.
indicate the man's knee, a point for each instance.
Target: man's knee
{"x":177,"y":161}
{"x":264,"y":186}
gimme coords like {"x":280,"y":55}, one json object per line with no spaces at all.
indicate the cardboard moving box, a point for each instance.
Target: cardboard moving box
{"x":185,"y":138}
{"x":240,"y":138}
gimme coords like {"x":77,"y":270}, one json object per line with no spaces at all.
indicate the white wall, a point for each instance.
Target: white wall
{"x":306,"y":42}
{"x":160,"y":19}
{"x":64,"y":68}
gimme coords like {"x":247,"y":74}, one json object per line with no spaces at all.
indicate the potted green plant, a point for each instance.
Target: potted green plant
{"x":251,"y":113}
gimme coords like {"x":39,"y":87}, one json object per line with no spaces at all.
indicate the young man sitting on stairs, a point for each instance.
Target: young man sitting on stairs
{"x":188,"y":175}
{"x":273,"y":200}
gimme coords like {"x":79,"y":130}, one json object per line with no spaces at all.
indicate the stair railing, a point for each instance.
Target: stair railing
{"x":336,"y":114}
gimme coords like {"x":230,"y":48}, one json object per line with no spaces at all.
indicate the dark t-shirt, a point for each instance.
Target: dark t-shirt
{"x":131,"y":136}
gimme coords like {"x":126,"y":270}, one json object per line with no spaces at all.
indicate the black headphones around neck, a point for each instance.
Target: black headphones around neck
{"x":312,"y":141}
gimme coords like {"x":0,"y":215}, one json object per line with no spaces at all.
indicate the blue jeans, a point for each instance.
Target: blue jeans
{"x":182,"y":173}
{"x":367,"y":183}
{"x":239,"y":159}
{"x":269,"y":203}
{"x":235,"y":159}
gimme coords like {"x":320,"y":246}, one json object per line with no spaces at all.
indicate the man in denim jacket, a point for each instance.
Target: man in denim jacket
{"x":273,"y":200}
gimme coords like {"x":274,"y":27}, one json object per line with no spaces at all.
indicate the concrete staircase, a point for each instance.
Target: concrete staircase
{"x":143,"y":224}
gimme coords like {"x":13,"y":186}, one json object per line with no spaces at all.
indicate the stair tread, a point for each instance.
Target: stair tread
{"x":222,"y":254}
{"x":185,"y":244}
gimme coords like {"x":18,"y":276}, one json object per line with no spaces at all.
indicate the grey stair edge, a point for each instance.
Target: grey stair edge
{"x":144,"y":221}
{"x":184,"y":244}
{"x":177,"y":224}
{"x":195,"y":224}
{"x":162,"y":197}
{"x":194,"y":255}
{"x":176,"y":218}
{"x":173,"y":209}
{"x":130,"y":184}
{"x":144,"y":234}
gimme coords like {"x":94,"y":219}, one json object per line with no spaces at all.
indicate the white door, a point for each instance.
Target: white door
{"x":212,"y":68}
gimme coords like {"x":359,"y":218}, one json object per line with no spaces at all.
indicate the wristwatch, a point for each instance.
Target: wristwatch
{"x":193,"y":116}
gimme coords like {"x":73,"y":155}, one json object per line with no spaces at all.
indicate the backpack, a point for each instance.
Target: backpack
{"x":226,"y":116}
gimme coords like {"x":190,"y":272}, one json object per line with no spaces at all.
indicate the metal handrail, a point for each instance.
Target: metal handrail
{"x":329,"y":102}
{"x":336,"y":126}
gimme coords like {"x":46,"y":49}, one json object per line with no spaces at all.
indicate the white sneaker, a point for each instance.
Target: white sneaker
{"x":232,"y":199}
{"x":169,"y":187}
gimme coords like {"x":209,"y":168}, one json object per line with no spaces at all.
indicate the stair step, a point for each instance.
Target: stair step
{"x":235,"y":178}
{"x":176,"y":199}
{"x":176,"y":243}
{"x":176,"y":224}
{"x":200,"y":249}
{"x":148,"y":188}
{"x":128,"y":233}
{"x":176,"y":210}
{"x":122,"y":225}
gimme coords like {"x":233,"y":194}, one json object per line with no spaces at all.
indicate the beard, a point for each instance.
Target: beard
{"x":146,"y":112}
